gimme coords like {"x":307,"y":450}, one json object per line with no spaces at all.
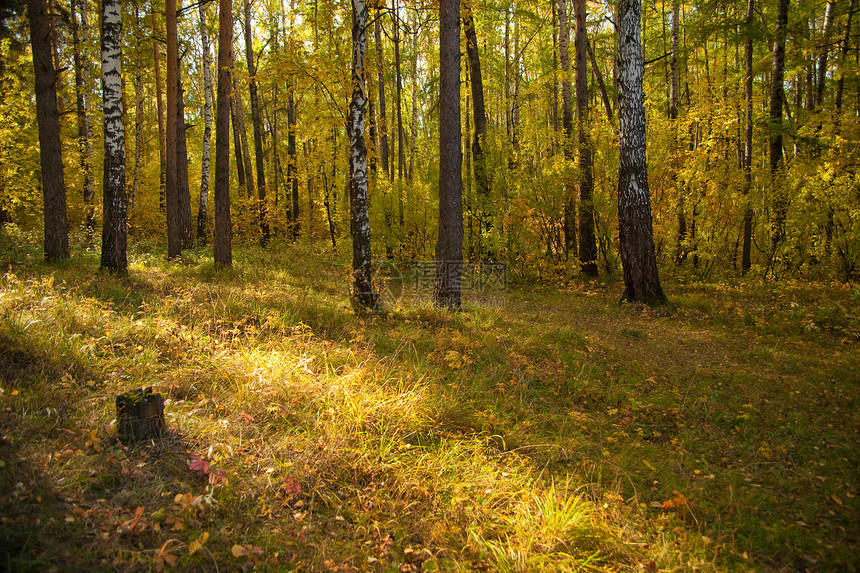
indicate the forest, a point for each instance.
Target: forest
{"x":477,"y":285}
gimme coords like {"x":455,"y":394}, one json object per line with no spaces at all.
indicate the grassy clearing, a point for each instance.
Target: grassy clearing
{"x":563,"y":432}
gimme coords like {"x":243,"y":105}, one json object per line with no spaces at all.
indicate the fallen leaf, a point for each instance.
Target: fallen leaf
{"x":247,"y":417}
{"x":198,"y":543}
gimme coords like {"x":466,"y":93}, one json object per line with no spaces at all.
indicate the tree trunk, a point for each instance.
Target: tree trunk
{"x":746,"y":260}
{"x":567,"y":127}
{"x":115,"y":208}
{"x":363,"y":295}
{"x":840,"y":85}
{"x":223,"y":228}
{"x":601,"y":85}
{"x":822,"y":58}
{"x":482,"y":180}
{"x":239,"y":119}
{"x":50,"y":148}
{"x":171,"y":184}
{"x":555,"y":118}
{"x":674,"y":98}
{"x":138,"y":107}
{"x":449,"y":248}
{"x":641,"y":280}
{"x":85,"y":123}
{"x":293,"y":166}
{"x":383,"y":127}
{"x":202,"y":210}
{"x":587,"y":241}
{"x":162,"y":132}
{"x":257,"y":120}
{"x":398,"y":76}
{"x":777,"y":98}
{"x":183,"y":191}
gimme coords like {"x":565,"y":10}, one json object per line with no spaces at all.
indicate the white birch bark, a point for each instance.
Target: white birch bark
{"x":363,"y":296}
{"x":114,"y":230}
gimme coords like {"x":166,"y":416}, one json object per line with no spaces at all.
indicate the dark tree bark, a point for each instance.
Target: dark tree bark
{"x":257,"y":121}
{"x":292,"y":168}
{"x":85,"y":122}
{"x":138,"y":107}
{"x":746,"y":252}
{"x":449,"y":247}
{"x":171,"y":184}
{"x":50,"y":149}
{"x":840,"y":84}
{"x":239,"y":123}
{"x":223,"y":227}
{"x":162,"y":131}
{"x":383,"y":127}
{"x":587,"y":240}
{"x":641,"y":280}
{"x":482,"y":180}
{"x":398,"y":84}
{"x":183,"y":191}
{"x":203,"y":205}
{"x":363,"y":296}
{"x":601,"y":85}
{"x":777,"y":100}
{"x":570,"y":241}
{"x":115,"y":207}
{"x":674,"y":108}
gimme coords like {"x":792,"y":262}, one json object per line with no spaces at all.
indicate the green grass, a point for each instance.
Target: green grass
{"x":561,"y":432}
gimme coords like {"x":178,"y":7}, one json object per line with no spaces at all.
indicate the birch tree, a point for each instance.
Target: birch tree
{"x":638,"y":260}
{"x":363,"y":295}
{"x":114,"y":201}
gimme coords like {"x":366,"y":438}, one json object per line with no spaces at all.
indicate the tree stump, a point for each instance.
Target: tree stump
{"x":139,"y":415}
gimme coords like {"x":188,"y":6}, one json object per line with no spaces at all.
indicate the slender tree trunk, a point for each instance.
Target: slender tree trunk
{"x":567,"y":127}
{"x":223,"y":227}
{"x":50,"y":149}
{"x":363,"y":295}
{"x":115,"y":207}
{"x":183,"y":190}
{"x":587,"y":241}
{"x":203,"y":205}
{"x":257,"y":120}
{"x":239,"y":118}
{"x":822,"y":58}
{"x":138,"y":107}
{"x":482,"y":180}
{"x":413,"y":129}
{"x":555,"y":115}
{"x":292,"y":167}
{"x":846,"y":40}
{"x":85,"y":123}
{"x":159,"y":102}
{"x":777,"y":98}
{"x":449,"y":248}
{"x":746,"y":260}
{"x":237,"y":143}
{"x":674,"y":108}
{"x":601,"y":85}
{"x":171,"y":186}
{"x":641,"y":280}
{"x":383,"y":127}
{"x":398,"y":84}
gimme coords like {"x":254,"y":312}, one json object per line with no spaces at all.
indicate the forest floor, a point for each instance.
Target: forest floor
{"x":545,"y":428}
